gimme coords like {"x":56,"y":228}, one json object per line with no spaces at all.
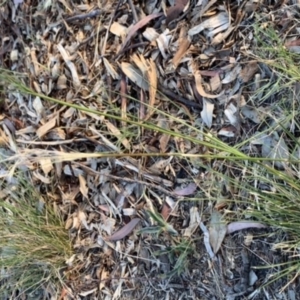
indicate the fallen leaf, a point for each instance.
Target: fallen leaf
{"x":117,"y":133}
{"x":46,"y":127}
{"x":228,"y":131}
{"x":251,"y":113}
{"x":200,"y":89}
{"x":273,"y":146}
{"x":184,"y":44}
{"x":163,"y":42}
{"x":152,"y":77}
{"x":188,"y":190}
{"x":135,"y":75}
{"x":165,"y":211}
{"x":195,"y":221}
{"x":292,"y":43}
{"x":207,"y":112}
{"x":125,"y":230}
{"x":231,"y":112}
{"x":212,"y":22}
{"x":138,"y":26}
{"x":217,"y":231}
{"x":248,"y":71}
{"x":240,"y":225}
{"x":83,"y":186}
{"x":68,"y":61}
{"x":118,"y":29}
{"x":174,"y":11}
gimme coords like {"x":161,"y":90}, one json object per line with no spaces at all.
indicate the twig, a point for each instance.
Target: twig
{"x":129,"y":48}
{"x":52,"y":143}
{"x":206,"y":241}
{"x":91,"y":14}
{"x":178,"y":98}
{"x":108,"y":27}
{"x":135,"y":17}
{"x":152,"y":185}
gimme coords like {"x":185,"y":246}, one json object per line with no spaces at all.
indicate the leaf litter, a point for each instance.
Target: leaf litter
{"x":102,"y":56}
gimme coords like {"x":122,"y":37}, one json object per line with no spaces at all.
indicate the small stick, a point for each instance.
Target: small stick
{"x":91,"y":14}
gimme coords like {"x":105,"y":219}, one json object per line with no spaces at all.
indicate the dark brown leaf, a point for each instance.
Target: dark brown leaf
{"x":138,"y":26}
{"x":125,"y":230}
{"x":174,"y":11}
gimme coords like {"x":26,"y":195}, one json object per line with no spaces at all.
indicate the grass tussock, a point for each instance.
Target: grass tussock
{"x":34,"y":245}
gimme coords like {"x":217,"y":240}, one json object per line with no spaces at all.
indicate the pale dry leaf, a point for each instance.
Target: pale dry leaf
{"x":200,"y":89}
{"x":159,"y":166}
{"x":41,"y":177}
{"x":39,"y":107}
{"x":118,"y":29}
{"x":252,"y":114}
{"x":231,"y":112}
{"x":240,"y":225}
{"x":10,"y":138}
{"x":195,"y":221}
{"x":46,"y":128}
{"x":164,"y":142}
{"x":276,"y":147}
{"x":46,"y":165}
{"x":135,"y":75}
{"x":228,"y":131}
{"x":217,"y":231}
{"x":164,"y":138}
{"x":61,"y":82}
{"x":89,"y":292}
{"x":82,"y":219}
{"x":141,"y":63}
{"x":214,"y":31}
{"x":212,"y":22}
{"x":125,"y":230}
{"x":232,"y":74}
{"x":215,"y":83}
{"x":117,"y":133}
{"x":75,"y":78}
{"x":110,"y":69}
{"x":72,"y":172}
{"x":76,"y":222}
{"x":188,"y":190}
{"x":14,"y":55}
{"x":152,"y":78}
{"x":83,"y":186}
{"x":184,"y":45}
{"x":34,"y":60}
{"x":163,"y":42}
{"x":103,"y":278}
{"x":108,"y":225}
{"x":69,"y":223}
{"x":206,"y":241}
{"x":56,"y":134}
{"x":273,"y":146}
{"x":150,"y":34}
{"x":207,"y":112}
{"x":222,"y":36}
